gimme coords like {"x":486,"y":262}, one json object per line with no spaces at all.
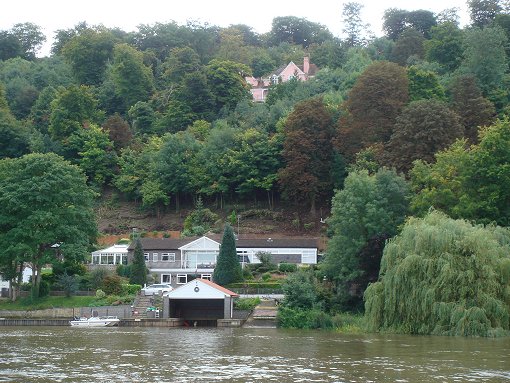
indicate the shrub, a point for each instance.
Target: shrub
{"x":68,"y":283}
{"x":246,"y":303}
{"x":255,"y":285}
{"x":266,"y":277}
{"x":112,"y":285}
{"x":44,"y":288}
{"x":100,"y":294}
{"x":303,"y":318}
{"x":124,"y":270}
{"x":97,"y":276}
{"x":300,"y":291}
{"x":287,"y":267}
{"x":130,"y":289}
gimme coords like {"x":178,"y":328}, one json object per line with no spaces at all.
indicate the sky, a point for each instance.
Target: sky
{"x":51,"y":15}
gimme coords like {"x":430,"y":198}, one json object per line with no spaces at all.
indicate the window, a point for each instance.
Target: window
{"x":166,"y":278}
{"x":155,"y":257}
{"x":146,"y":256}
{"x":168,"y":257}
{"x":182,"y":279}
{"x":206,"y":276}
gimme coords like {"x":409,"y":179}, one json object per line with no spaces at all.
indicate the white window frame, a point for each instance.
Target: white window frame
{"x":155,"y":257}
{"x":206,"y":276}
{"x":146,"y":256}
{"x":170,"y":256}
{"x":169,"y":278}
{"x":180,"y":276}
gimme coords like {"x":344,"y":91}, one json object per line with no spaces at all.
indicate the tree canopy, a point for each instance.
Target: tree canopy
{"x":46,"y":211}
{"x":442,"y":277}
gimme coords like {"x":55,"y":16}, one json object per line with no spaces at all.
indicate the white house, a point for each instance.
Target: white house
{"x":175,"y":260}
{"x":113,"y":255}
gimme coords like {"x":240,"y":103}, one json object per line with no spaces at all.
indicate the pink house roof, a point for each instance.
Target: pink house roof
{"x":218,"y":287}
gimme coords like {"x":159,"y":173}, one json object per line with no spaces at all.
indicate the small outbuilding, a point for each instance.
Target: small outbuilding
{"x":199,"y":300}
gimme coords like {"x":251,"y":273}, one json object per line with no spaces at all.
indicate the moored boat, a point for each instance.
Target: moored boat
{"x":102,"y":321}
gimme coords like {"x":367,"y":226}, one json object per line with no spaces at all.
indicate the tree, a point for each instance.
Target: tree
{"x":88,"y":54}
{"x":353,"y":25}
{"x":68,"y":283}
{"x":133,"y":81}
{"x":373,"y":104}
{"x":394,"y":22}
{"x":73,"y":108}
{"x":307,"y":153}
{"x":424,"y":128}
{"x":138,"y":269}
{"x":473,"y":109}
{"x":445,"y":45}
{"x":485,"y":56}
{"x":173,"y":164}
{"x":298,"y":31}
{"x":46,"y":203}
{"x":180,"y":62}
{"x":409,"y":44}
{"x":142,"y":117}
{"x":424,"y":84}
{"x":10,"y":46}
{"x":196,"y":94}
{"x":227,"y":269}
{"x":368,"y":206}
{"x":442,"y":277}
{"x":30,"y":37}
{"x":226,"y":82}
{"x":422,"y":21}
{"x":15,"y":141}
{"x":483,"y":12}
{"x":94,"y":154}
{"x":119,"y":131}
{"x":299,"y":290}
{"x":469,"y":183}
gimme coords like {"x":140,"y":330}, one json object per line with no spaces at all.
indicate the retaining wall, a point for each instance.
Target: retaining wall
{"x":122,"y":311}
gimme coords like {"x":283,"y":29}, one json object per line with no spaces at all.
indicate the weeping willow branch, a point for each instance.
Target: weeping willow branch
{"x":444,"y":277}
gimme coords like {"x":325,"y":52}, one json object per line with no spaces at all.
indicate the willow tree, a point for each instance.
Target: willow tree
{"x":443,"y":276}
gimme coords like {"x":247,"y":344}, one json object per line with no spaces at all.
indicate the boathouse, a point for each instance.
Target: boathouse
{"x":199,"y":300}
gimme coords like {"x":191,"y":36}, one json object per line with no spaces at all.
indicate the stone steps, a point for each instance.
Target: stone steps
{"x":141,"y":304}
{"x":263,"y":316}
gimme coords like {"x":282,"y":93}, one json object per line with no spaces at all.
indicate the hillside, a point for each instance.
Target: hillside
{"x":118,"y":218}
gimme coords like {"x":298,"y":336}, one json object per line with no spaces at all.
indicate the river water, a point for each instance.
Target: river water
{"x":58,"y":354}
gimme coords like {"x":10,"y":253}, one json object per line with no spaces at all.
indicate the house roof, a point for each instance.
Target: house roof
{"x":162,"y":243}
{"x":218,"y":287}
{"x":188,"y":243}
{"x":123,"y":248}
{"x":278,"y":242}
{"x":200,"y":289}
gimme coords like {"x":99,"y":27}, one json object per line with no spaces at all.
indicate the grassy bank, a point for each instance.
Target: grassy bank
{"x":46,"y":303}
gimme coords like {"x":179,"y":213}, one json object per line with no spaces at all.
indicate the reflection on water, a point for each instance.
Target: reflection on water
{"x":32,"y":354}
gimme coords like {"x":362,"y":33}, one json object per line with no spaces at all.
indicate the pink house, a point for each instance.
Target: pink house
{"x":260,"y":87}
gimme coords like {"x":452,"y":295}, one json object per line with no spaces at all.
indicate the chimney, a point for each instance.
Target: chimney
{"x":306,"y":64}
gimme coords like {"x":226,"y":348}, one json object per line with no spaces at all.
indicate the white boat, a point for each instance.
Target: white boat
{"x":105,"y":321}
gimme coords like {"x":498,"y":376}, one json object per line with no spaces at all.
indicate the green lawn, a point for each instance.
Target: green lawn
{"x":46,"y":303}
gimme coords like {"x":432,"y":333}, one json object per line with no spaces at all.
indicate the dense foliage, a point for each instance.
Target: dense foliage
{"x":163,"y":117}
{"x":228,"y":269}
{"x":46,"y":213}
{"x":444,"y":277}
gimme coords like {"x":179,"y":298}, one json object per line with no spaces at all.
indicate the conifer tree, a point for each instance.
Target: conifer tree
{"x":228,"y":269}
{"x":138,"y":269}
